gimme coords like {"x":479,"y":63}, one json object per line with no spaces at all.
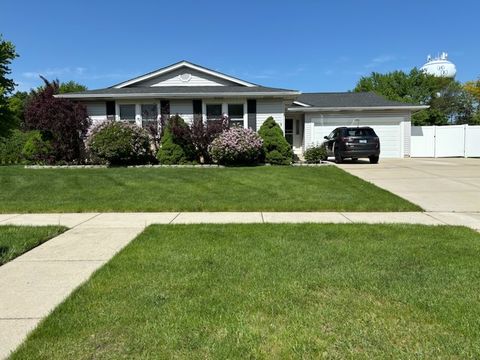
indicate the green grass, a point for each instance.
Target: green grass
{"x":275,"y":291}
{"x":16,"y":240}
{"x":192,"y":189}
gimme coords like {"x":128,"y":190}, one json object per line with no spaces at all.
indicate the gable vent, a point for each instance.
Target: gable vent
{"x":185,"y":77}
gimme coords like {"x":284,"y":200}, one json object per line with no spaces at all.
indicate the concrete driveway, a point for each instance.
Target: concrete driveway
{"x":447,"y":184}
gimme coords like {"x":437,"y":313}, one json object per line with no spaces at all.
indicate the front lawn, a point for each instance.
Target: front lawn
{"x":275,"y":291}
{"x":16,"y":240}
{"x":191,"y":189}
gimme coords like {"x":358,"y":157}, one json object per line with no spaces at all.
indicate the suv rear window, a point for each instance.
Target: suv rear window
{"x":359,"y":132}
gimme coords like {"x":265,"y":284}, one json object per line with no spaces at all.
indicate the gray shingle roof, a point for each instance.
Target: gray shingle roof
{"x":184,"y":89}
{"x":347,"y":99}
{"x":178,"y":91}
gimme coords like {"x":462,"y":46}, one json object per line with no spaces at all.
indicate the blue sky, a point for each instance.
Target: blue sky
{"x":302,"y":45}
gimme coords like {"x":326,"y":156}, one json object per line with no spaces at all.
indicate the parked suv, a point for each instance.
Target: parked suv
{"x":353,"y":143}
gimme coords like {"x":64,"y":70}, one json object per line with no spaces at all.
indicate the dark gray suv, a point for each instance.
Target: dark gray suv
{"x":353,"y":143}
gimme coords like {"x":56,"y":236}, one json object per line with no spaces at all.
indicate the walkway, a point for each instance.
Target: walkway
{"x":36,"y":282}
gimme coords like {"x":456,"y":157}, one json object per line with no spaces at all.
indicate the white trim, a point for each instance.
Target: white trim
{"x":178,"y":65}
{"x":179,"y":95}
{"x":301,"y":104}
{"x":359,"y":108}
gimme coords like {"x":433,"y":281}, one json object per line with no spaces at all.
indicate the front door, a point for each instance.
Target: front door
{"x":293,"y":133}
{"x":289,"y":131}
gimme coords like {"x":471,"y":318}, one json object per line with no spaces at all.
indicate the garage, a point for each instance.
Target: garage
{"x":388,"y":128}
{"x":323,"y":112}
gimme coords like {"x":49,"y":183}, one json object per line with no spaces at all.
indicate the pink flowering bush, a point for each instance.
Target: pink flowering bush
{"x":236,"y":146}
{"x":118,"y":143}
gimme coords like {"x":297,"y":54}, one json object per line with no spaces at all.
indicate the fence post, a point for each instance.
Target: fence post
{"x":435,"y":141}
{"x":465,"y":129}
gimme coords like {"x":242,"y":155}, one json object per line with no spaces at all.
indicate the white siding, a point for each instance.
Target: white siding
{"x":270,"y":107}
{"x":389,"y":126}
{"x":184,"y":108}
{"x":173,"y":78}
{"x":407,"y":133}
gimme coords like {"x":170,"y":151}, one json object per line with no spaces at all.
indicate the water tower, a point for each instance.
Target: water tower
{"x":439,"y":66}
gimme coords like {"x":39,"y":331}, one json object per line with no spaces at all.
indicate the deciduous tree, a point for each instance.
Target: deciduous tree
{"x":449,"y":102}
{"x":62,"y":121}
{"x":7,"y":54}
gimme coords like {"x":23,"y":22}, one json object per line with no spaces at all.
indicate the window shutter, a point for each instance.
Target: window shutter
{"x":252,"y":114}
{"x":197,"y":109}
{"x":110,"y":109}
{"x":164,"y":107}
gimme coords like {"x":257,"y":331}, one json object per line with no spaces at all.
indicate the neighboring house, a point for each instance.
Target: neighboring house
{"x":191,"y":90}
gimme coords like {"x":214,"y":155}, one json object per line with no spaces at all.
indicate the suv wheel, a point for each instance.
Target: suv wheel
{"x":373,"y":159}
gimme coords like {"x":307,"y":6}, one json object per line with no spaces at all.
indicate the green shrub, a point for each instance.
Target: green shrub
{"x":11,"y":148}
{"x":36,"y":149}
{"x":24,"y":147}
{"x":176,"y":144}
{"x":118,"y":143}
{"x":171,"y":153}
{"x":276,"y":148}
{"x":315,"y":154}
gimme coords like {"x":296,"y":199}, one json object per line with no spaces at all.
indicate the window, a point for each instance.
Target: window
{"x":289,"y":131}
{"x":214,"y":111}
{"x":149,"y":112}
{"x":235,"y":113}
{"x":360,"y":132}
{"x":127,"y":112}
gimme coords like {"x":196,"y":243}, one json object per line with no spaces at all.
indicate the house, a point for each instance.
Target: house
{"x":191,"y":90}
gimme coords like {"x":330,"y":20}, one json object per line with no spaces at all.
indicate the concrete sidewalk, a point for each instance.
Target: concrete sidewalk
{"x":36,"y":282}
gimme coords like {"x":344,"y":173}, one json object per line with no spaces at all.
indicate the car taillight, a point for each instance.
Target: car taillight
{"x":346,"y":139}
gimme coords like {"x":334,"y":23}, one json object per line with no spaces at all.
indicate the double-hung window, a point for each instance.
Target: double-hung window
{"x":235,"y":114}
{"x":127,"y":112}
{"x":149,"y":114}
{"x":214,"y":111}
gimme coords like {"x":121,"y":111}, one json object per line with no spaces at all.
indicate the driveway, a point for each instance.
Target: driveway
{"x":447,"y":184}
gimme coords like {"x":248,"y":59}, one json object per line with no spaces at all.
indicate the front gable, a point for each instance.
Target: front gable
{"x":183,"y":74}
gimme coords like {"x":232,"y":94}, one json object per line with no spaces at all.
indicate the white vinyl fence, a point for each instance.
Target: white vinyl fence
{"x":445,"y":141}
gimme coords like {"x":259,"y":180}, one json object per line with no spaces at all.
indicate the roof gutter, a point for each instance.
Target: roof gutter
{"x":174,"y":95}
{"x":357,"y":108}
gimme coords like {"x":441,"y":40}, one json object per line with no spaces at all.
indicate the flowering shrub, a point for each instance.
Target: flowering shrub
{"x":118,"y":143}
{"x":236,"y":146}
{"x":202,"y":135}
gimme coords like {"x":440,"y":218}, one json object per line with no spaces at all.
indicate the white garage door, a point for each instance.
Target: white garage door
{"x":389,"y":132}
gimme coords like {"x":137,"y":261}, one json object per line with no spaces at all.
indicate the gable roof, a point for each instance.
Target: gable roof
{"x":180,"y":92}
{"x":180,"y":64}
{"x":348,"y":101}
